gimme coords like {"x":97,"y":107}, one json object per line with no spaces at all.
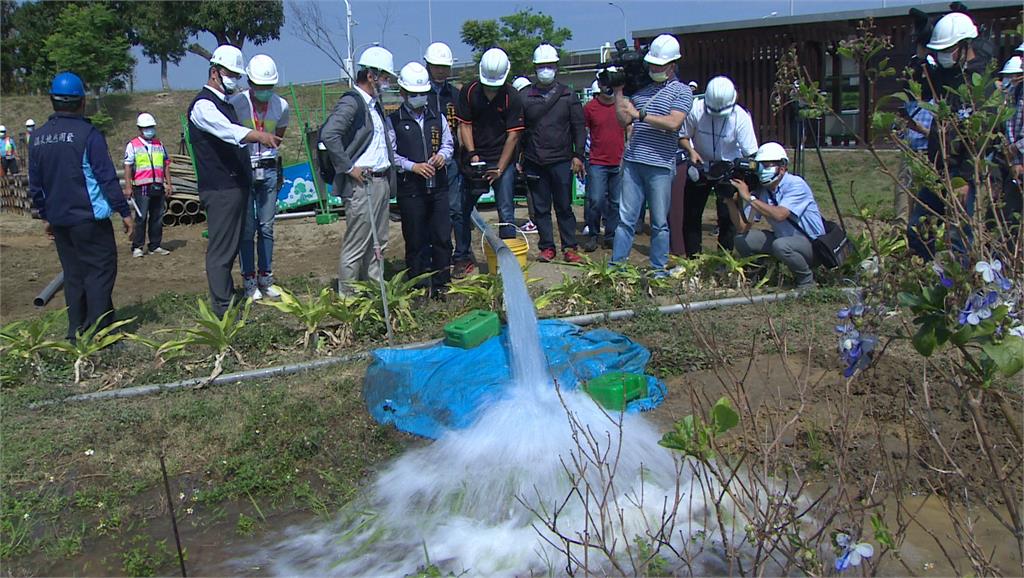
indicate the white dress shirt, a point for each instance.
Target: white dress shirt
{"x":718,"y":138}
{"x":208,"y":118}
{"x":375,"y":157}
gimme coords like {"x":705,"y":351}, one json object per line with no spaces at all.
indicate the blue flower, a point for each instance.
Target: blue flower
{"x":989,"y":271}
{"x":946,"y":281}
{"x":978,"y":307}
{"x":851,"y":554}
{"x":855,"y":350}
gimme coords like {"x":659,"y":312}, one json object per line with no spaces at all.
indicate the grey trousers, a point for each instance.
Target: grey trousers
{"x":794,"y":251}
{"x":225,"y":210}
{"x":900,"y":198}
{"x":368,"y":207}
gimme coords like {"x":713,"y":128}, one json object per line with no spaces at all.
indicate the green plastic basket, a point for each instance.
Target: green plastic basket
{"x":614,"y":390}
{"x":472,"y":329}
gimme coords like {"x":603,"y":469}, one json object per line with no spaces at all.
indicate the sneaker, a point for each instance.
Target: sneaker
{"x":529,"y":227}
{"x":660,"y":274}
{"x":586,"y":230}
{"x":463,"y":269}
{"x":546,"y":255}
{"x":589,"y":244}
{"x":138,"y":252}
{"x":160,"y":251}
{"x":570,"y":255}
{"x":265,"y":283}
{"x":252,"y":289}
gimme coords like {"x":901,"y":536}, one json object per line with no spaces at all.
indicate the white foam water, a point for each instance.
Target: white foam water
{"x":475,"y":500}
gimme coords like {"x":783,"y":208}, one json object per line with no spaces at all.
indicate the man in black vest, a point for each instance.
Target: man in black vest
{"x":422,"y":143}
{"x":222,"y":165}
{"x":441,"y":99}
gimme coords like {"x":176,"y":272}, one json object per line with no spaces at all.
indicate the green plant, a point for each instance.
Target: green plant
{"x":622,"y":278}
{"x":245,"y":526}
{"x":91,"y":341}
{"x":651,"y":562}
{"x":734,"y":269}
{"x":343,"y":311}
{"x":310,"y":311}
{"x":694,"y":437}
{"x":217,"y":333}
{"x":571,"y":296}
{"x":401,"y":293}
{"x":27,"y":338}
{"x":484,"y":290}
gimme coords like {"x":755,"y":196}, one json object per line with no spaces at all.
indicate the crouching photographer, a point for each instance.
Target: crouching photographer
{"x":787,"y":204}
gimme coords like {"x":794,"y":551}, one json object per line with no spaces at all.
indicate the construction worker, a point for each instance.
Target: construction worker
{"x":490,"y":114}
{"x":656,"y":112}
{"x":147,"y":181}
{"x":358,"y":143}
{"x":442,"y":99}
{"x":30,"y":125}
{"x":223,"y":168}
{"x":8,"y":153}
{"x":75,"y":190}
{"x":716,"y":129}
{"x":553,"y":150}
{"x":422,"y":143}
{"x":261,"y":109}
{"x":604,"y":175}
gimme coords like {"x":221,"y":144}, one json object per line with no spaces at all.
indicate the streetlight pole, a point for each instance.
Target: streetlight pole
{"x":430,"y":21}
{"x":419,"y":45}
{"x":348,"y":40}
{"x":625,"y":28}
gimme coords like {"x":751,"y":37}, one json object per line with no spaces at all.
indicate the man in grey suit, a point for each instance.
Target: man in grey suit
{"x":357,"y":141}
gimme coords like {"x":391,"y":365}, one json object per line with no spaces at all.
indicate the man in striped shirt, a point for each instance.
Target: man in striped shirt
{"x":656,"y":112}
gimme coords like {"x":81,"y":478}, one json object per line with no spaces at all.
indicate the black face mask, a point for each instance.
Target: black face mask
{"x":607,"y":91}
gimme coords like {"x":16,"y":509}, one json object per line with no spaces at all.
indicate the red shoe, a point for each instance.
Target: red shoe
{"x":546,"y":255}
{"x":571,"y":256}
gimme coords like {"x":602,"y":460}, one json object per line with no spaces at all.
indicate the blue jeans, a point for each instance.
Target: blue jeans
{"x":642,"y":182}
{"x":259,"y":223}
{"x":922,"y":242}
{"x":604,"y":189}
{"x":503,"y":191}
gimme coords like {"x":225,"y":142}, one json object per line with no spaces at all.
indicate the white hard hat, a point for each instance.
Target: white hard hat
{"x":664,"y":49}
{"x":693,"y":85}
{"x":3,"y":128}
{"x":414,"y":78}
{"x":145,"y":120}
{"x":439,"y":54}
{"x":379,"y":58}
{"x":521,"y":82}
{"x":951,"y":29}
{"x":1012,"y":66}
{"x":720,"y":96}
{"x":229,"y":57}
{"x":30,"y":122}
{"x":1020,"y":48}
{"x":594,"y":87}
{"x":545,"y":54}
{"x":262,"y":70}
{"x":771,"y":151}
{"x":494,"y":67}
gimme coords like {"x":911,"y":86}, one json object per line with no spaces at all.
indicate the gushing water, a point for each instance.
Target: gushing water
{"x":476,"y":500}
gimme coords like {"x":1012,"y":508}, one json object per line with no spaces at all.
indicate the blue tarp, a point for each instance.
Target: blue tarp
{"x":426,"y":391}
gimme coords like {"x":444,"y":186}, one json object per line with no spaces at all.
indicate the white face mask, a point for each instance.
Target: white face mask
{"x":767,"y":174}
{"x":945,"y":59}
{"x":148,"y":133}
{"x":545,"y":75}
{"x":230,"y":84}
{"x":418,"y":101}
{"x":658,"y":76}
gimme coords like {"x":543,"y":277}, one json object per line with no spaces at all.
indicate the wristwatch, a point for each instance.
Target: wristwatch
{"x":642,"y":115}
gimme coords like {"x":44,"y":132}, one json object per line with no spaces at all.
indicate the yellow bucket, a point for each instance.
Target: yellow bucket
{"x":519,"y":248}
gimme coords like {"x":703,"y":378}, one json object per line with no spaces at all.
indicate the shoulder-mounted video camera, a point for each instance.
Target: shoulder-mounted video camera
{"x":717,"y":175}
{"x":627,"y":70}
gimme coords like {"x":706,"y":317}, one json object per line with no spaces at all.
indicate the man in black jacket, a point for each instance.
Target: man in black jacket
{"x":555,"y":141}
{"x":223,"y":168}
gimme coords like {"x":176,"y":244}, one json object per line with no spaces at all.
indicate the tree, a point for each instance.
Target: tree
{"x":91,"y":41}
{"x":162,"y":28}
{"x":313,"y":28}
{"x":24,"y":28}
{"x":235,"y":21}
{"x":517,"y":34}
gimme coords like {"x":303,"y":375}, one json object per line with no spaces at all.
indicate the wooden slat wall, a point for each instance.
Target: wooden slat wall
{"x":749,"y":57}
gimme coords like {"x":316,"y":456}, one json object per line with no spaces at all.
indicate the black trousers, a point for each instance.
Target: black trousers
{"x":225,"y":210}
{"x":88,"y":255}
{"x":552,"y":186}
{"x":693,"y":210}
{"x":426,"y":228}
{"x":151,"y":221}
{"x":10,"y":165}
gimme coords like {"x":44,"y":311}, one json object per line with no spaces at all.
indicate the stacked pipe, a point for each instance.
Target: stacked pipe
{"x":14,"y":196}
{"x":183,"y":207}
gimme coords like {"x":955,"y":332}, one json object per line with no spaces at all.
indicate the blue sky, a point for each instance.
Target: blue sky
{"x":593,"y":22}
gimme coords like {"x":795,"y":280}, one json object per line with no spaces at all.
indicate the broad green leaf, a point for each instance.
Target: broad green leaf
{"x":723,"y":416}
{"x":924,"y":340}
{"x":1008,"y":355}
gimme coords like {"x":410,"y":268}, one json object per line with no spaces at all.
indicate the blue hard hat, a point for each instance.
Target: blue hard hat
{"x":67,"y":84}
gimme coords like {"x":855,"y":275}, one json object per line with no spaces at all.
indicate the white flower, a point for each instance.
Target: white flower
{"x":89,"y":452}
{"x":25,"y":517}
{"x":1018,"y":331}
{"x":181,"y":496}
{"x":189,"y":511}
{"x":870,"y":266}
{"x":989,"y":271}
{"x":853,"y":554}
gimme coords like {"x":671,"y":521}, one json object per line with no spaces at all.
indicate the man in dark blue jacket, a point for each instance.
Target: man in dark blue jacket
{"x":75,"y":189}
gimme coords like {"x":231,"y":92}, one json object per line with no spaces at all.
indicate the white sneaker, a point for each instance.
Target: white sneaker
{"x":138,"y":252}
{"x":586,"y":230}
{"x":252,"y":290}
{"x":266,"y":286}
{"x":160,"y":251}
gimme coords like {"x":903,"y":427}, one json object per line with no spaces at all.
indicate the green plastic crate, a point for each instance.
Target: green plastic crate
{"x":614,"y":390}
{"x":472,"y":329}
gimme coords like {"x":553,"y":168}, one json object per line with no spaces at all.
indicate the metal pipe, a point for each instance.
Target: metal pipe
{"x":169,"y":220}
{"x":176,"y":207}
{"x":192,"y":207}
{"x":49,"y":291}
{"x":186,"y":220}
{"x":299,"y":215}
{"x":620,"y":314}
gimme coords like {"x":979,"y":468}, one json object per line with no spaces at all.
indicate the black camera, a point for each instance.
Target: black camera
{"x":478,"y":183}
{"x":627,"y":70}
{"x":717,"y":175}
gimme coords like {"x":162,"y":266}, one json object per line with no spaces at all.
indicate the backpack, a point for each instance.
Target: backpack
{"x":323,"y":159}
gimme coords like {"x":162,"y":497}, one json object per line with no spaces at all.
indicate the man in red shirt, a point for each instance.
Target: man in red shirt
{"x":604,"y":173}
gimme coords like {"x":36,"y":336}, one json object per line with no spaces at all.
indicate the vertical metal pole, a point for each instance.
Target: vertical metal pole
{"x":174,"y":522}
{"x":430,"y":21}
{"x":348,"y":42}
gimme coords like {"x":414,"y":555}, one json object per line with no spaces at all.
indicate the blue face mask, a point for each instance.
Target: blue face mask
{"x":767,"y":174}
{"x":148,"y":133}
{"x":263,"y":95}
